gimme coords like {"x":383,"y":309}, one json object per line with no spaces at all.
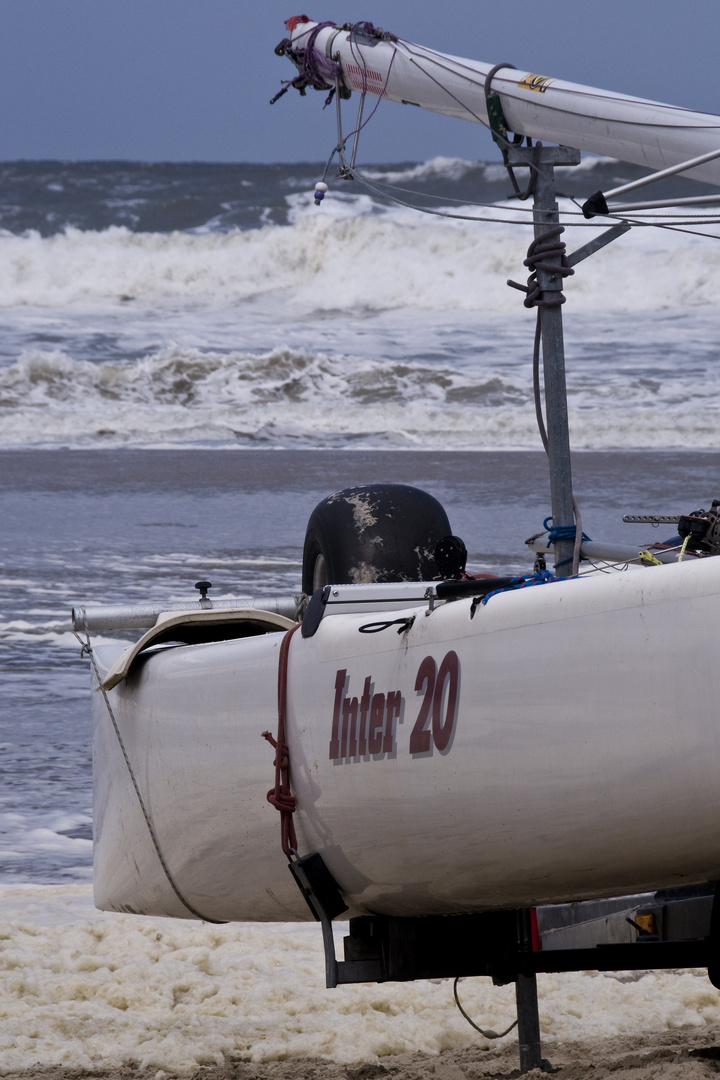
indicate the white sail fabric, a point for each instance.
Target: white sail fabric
{"x":644,"y":132}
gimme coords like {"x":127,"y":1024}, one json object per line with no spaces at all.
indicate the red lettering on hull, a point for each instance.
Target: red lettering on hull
{"x":365,"y":728}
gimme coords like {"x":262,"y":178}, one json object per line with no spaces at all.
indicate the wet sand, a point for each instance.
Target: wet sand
{"x":683,"y":1054}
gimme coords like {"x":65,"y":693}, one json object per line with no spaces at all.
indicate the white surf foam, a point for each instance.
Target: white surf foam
{"x":357,"y":325}
{"x":443,"y":168}
{"x":86,"y":990}
{"x":455,"y":168}
{"x":642,"y":383}
{"x":44,"y":838}
{"x":348,"y":254}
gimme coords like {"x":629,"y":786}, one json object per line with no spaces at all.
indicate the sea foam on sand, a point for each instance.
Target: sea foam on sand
{"x":90,"y":990}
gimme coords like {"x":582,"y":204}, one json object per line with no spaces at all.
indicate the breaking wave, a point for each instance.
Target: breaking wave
{"x":356,"y":323}
{"x":287,"y":397}
{"x":351,"y":254}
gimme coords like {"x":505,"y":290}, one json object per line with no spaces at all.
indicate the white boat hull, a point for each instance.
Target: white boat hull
{"x":580,"y":759}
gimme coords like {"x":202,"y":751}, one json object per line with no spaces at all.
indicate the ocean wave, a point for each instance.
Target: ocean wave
{"x":445,"y":168}
{"x":351,"y":253}
{"x":454,"y":169}
{"x":594,"y":163}
{"x":47,"y":837}
{"x":287,"y":397}
{"x":279,"y":397}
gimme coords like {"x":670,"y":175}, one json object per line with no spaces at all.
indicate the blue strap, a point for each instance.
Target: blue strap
{"x":561,"y":532}
{"x":523,"y":581}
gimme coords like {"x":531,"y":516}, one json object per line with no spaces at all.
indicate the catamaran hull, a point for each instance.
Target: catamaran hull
{"x":559,"y":742}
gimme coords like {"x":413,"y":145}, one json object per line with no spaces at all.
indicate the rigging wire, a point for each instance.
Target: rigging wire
{"x":359,"y":56}
{"x":638,"y":220}
{"x":87,"y":650}
{"x":651,"y":223}
{"x":378,"y":190}
{"x":437,"y":82}
{"x":652,"y":218}
{"x":668,"y":226}
{"x":672,"y":222}
{"x":648,"y":221}
{"x":465,"y":70}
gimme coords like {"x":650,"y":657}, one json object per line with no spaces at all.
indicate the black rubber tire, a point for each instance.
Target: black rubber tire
{"x":379,"y":532}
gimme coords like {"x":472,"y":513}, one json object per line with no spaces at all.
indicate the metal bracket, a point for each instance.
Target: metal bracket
{"x":322,"y":896}
{"x":550,"y":155}
{"x":598,"y":243}
{"x":597,"y":204}
{"x":315,"y":611}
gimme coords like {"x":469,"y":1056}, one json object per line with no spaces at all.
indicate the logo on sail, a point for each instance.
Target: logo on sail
{"x":364,"y":78}
{"x":538,"y":83}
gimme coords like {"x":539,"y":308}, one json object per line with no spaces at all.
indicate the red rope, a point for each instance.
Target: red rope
{"x":281,"y":796}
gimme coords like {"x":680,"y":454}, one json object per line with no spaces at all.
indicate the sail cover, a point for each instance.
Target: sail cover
{"x":632,"y":129}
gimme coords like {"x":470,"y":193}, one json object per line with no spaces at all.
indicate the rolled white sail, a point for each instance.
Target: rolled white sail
{"x":633,"y":129}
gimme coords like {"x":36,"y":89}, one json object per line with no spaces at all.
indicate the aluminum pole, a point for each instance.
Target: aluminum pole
{"x":546,"y":218}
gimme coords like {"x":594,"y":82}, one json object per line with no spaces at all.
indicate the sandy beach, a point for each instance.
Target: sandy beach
{"x":685,"y":1054}
{"x":90,"y":994}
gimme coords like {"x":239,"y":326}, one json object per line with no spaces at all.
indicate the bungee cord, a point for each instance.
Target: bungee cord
{"x":487,"y":1033}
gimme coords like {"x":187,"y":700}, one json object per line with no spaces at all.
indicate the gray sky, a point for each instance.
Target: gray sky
{"x":184,"y":80}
